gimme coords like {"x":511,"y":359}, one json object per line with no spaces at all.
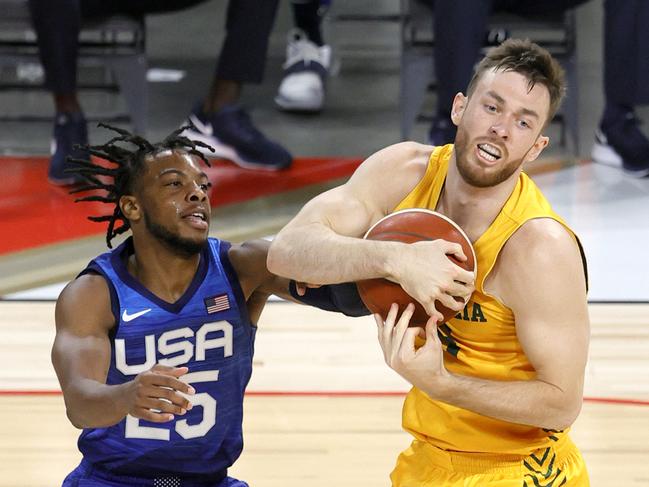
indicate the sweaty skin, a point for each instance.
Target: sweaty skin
{"x":170,"y":196}
{"x":538,"y":275}
{"x":323,"y":244}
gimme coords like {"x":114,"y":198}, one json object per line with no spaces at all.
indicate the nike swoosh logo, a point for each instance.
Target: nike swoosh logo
{"x":204,"y":128}
{"x":128,"y":317}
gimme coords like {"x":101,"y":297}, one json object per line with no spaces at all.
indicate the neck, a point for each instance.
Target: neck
{"x":163,"y":271}
{"x":472,"y":208}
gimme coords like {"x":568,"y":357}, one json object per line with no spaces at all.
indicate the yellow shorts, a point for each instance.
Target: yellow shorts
{"x":423,"y":465}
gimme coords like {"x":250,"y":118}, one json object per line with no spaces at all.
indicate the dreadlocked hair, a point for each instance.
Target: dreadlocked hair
{"x":128,"y":165}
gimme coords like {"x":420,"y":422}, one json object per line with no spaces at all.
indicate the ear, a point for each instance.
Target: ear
{"x":130,"y":208}
{"x":541,"y":143}
{"x":459,"y":105}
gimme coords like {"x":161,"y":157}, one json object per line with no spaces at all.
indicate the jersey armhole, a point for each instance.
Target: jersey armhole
{"x":233,"y":279}
{"x":94,"y":268}
{"x":427,"y":181}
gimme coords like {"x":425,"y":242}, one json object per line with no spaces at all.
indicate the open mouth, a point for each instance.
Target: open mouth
{"x":489,"y":152}
{"x":197,"y":219}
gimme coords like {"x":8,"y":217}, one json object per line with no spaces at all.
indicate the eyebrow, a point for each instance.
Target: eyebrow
{"x":179,"y":172}
{"x":524,"y":111}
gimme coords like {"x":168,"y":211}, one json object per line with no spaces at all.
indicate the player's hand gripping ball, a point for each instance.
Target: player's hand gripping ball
{"x":412,"y":225}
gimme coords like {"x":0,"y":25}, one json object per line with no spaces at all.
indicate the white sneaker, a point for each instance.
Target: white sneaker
{"x":603,"y":152}
{"x":305,"y":72}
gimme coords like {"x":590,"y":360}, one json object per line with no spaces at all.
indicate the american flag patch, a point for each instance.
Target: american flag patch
{"x":217,"y":303}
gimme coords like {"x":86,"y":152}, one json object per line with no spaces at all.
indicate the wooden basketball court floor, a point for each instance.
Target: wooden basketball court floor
{"x":322,"y":408}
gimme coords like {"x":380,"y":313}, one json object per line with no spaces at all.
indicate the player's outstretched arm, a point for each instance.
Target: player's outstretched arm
{"x":256,"y":281}
{"x":323,"y":244}
{"x":81,"y":358}
{"x":542,"y":281}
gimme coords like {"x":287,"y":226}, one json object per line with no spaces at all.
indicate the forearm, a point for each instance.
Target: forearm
{"x":91,"y":404}
{"x":317,"y":255}
{"x":532,"y":402}
{"x":341,"y":298}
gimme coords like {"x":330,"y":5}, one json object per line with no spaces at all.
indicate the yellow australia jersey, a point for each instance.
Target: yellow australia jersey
{"x":481,"y":340}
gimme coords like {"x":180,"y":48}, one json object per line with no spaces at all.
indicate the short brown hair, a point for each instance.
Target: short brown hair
{"x":530,"y":60}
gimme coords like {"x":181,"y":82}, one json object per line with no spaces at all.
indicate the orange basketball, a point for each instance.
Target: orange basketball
{"x":410,"y":226}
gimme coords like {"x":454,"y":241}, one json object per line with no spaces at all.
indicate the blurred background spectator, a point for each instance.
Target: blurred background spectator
{"x":218,"y":118}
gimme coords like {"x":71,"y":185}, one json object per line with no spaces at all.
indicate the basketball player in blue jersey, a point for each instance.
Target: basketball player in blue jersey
{"x":154,"y":339}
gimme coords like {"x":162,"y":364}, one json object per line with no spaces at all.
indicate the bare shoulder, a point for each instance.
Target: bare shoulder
{"x":541,"y":240}
{"x":542,"y":254}
{"x":410,"y":156}
{"x":376,"y":187}
{"x":410,"y":151}
{"x":85,"y":303}
{"x":416,"y":158}
{"x":396,"y":170}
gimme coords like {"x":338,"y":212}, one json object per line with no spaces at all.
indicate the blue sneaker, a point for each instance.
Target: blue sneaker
{"x":622,"y":144}
{"x":442,"y":131}
{"x":233,"y":136}
{"x":70,"y":129}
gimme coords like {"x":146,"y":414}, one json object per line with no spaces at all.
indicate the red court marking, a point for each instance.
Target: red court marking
{"x":35,"y":213}
{"x":604,"y":400}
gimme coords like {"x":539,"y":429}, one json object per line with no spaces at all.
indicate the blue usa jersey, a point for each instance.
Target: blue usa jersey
{"x":209,"y":331}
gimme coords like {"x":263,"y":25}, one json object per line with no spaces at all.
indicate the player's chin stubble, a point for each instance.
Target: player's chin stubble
{"x":183,"y":246}
{"x":471,"y":175}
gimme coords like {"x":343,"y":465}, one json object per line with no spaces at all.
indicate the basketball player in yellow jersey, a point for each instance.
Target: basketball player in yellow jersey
{"x":496,"y":388}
